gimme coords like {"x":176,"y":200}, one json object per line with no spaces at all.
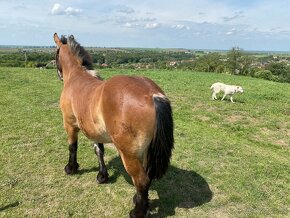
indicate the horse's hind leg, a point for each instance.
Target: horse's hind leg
{"x":103,"y":175}
{"x":142,"y":183}
{"x":72,"y":165}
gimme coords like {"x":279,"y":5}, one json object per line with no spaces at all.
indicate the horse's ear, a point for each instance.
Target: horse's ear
{"x":57,"y":40}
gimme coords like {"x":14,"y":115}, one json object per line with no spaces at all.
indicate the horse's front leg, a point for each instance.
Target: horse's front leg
{"x":103,"y":175}
{"x":72,"y":165}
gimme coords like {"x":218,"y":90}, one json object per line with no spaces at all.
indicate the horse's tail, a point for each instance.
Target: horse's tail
{"x":159,"y":152}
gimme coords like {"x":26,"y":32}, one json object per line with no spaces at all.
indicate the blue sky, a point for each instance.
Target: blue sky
{"x":193,"y":24}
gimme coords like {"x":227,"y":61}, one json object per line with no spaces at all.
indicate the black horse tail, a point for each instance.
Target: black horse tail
{"x":160,"y":149}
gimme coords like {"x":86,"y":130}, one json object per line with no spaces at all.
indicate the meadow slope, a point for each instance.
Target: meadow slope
{"x":230,"y":160}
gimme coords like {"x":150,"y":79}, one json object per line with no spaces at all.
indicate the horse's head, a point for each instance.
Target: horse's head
{"x":59,"y":42}
{"x":71,"y":45}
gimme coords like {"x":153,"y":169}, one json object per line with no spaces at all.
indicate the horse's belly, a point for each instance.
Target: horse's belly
{"x":96,"y":134}
{"x":103,"y":138}
{"x":99,"y":137}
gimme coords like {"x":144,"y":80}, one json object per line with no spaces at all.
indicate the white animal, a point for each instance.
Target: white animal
{"x":226,"y":89}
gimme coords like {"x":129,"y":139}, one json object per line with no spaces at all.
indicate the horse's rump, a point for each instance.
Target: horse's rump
{"x":128,"y":110}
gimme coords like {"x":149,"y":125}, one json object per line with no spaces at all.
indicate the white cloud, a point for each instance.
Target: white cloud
{"x":58,"y":9}
{"x":152,"y":25}
{"x":180,"y":26}
{"x":131,"y":25}
{"x":125,"y":10}
{"x":237,"y":15}
{"x":128,"y":25}
{"x":72,"y":11}
{"x":148,"y":19}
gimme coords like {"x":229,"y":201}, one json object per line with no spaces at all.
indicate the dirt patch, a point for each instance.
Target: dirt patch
{"x":197,"y":106}
{"x":234,"y":118}
{"x":268,"y":136}
{"x":282,"y":143}
{"x":203,"y":118}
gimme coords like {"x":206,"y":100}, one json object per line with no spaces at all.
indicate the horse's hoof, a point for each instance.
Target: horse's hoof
{"x":133,"y":214}
{"x":102,"y":178}
{"x":71,"y":169}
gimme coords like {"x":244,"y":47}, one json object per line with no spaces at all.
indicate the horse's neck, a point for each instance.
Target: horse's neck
{"x":71,"y":68}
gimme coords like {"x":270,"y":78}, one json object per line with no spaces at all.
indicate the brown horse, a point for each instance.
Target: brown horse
{"x":130,"y":111}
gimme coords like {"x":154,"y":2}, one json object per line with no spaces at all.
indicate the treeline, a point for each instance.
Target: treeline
{"x":238,"y":62}
{"x":130,"y":57}
{"x":23,"y":58}
{"x":234,"y":61}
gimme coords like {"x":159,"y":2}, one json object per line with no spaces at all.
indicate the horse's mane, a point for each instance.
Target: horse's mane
{"x":78,"y":51}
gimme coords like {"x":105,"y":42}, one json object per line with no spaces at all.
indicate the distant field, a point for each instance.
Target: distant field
{"x":230,"y":160}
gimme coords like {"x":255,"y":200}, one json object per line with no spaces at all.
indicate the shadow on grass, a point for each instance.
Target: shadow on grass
{"x":82,"y":171}
{"x":177,"y":189}
{"x":236,"y":100}
{"x":15,"y":204}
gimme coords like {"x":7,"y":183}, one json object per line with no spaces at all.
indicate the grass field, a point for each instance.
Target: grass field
{"x":230,"y":160}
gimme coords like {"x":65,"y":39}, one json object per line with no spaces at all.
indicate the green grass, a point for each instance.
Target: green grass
{"x":230,"y":160}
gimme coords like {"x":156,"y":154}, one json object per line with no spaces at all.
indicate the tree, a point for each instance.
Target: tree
{"x":264,"y":74}
{"x":280,"y":70}
{"x":245,"y":64}
{"x":234,"y":56}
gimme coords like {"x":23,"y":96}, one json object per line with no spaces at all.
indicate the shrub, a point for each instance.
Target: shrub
{"x":264,"y":74}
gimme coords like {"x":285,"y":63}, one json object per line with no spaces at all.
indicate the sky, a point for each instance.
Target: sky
{"x":191,"y":24}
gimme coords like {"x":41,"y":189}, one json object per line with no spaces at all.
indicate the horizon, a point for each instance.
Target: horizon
{"x":190,"y":49}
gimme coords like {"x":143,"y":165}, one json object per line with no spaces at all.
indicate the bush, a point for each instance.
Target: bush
{"x":264,"y":74}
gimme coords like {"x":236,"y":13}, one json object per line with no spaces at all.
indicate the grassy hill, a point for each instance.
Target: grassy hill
{"x":230,"y":160}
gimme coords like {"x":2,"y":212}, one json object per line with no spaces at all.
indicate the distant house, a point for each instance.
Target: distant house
{"x":173,"y":63}
{"x":104,"y":65}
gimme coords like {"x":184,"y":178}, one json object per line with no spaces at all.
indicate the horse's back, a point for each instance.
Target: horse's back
{"x":133,"y":84}
{"x":120,"y":92}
